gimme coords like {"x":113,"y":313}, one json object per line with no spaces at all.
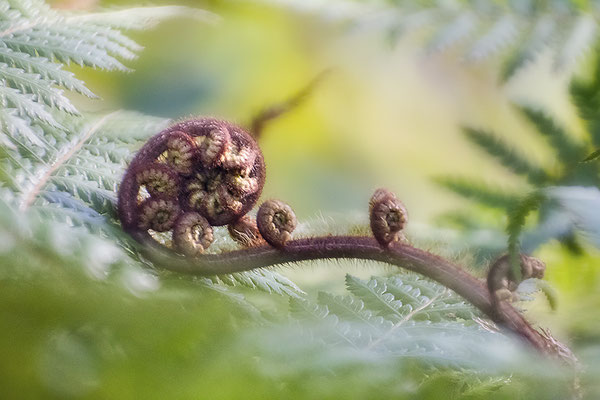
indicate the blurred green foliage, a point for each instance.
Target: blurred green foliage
{"x":84,"y":316}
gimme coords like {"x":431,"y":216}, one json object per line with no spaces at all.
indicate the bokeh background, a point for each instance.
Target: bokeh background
{"x":386,"y":114}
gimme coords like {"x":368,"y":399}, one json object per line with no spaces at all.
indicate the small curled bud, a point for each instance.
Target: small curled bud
{"x":228,"y":200}
{"x":245,"y":232}
{"x":181,"y":150}
{"x":532,"y":267}
{"x":158,"y":179}
{"x":192,"y":234}
{"x":242,"y":185}
{"x":158,"y":213}
{"x":202,"y":186}
{"x":276,"y":222}
{"x":387,"y":215}
{"x":501,"y":281}
{"x":213,"y":146}
{"x":240,"y":157}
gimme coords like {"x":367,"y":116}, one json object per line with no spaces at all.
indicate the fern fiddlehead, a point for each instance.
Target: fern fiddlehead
{"x":276,"y":222}
{"x":501,"y":279}
{"x":226,"y":179}
{"x":192,"y":234}
{"x":387,"y":215}
{"x":202,"y":173}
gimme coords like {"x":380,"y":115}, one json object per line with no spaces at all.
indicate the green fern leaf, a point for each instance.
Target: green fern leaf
{"x":141,"y":17}
{"x":25,"y":105}
{"x":42,"y":90}
{"x":483,"y":193}
{"x":498,"y":36}
{"x":539,"y":38}
{"x":17,"y":129}
{"x":352,"y":309}
{"x":305,"y":310}
{"x":516,"y":222}
{"x":375,"y":296}
{"x":438,"y":304}
{"x":35,"y":40}
{"x":265,"y":280}
{"x":366,"y":321}
{"x":569,"y":151}
{"x":454,"y":32}
{"x":581,"y":37}
{"x":507,"y":156}
{"x":64,"y":49}
{"x":73,"y":164}
{"x":523,"y":28}
{"x":103,"y":38}
{"x":46,"y":69}
{"x":592,"y":157}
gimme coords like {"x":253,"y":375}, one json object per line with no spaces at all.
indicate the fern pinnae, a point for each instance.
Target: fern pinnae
{"x":265,"y":280}
{"x":139,"y":18}
{"x":30,"y":195}
{"x":14,"y":126}
{"x":26,"y":105}
{"x":498,"y":36}
{"x":32,"y":84}
{"x":352,"y":309}
{"x":577,"y":42}
{"x":374,"y":295}
{"x":99,"y":37}
{"x":402,"y":321}
{"x":446,"y":307}
{"x":29,"y":8}
{"x":457,"y":30}
{"x":516,"y":222}
{"x":63,"y":49}
{"x":424,"y":287}
{"x":538,"y":39}
{"x":507,"y":156}
{"x":569,"y":150}
{"x":46,"y":69}
{"x":65,"y":204}
{"x":481,"y":192}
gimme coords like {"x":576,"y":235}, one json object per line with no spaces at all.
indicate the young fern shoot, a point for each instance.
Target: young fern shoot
{"x":206,"y":172}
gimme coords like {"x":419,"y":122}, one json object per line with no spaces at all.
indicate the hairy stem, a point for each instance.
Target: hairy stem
{"x":365,"y":248}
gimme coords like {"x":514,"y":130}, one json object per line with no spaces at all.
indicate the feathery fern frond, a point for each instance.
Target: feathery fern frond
{"x":573,"y":167}
{"x":395,"y":315}
{"x":78,"y":172}
{"x":479,"y":29}
{"x":265,"y":280}
{"x":516,"y":223}
{"x":507,"y":156}
{"x":139,"y":18}
{"x":36,"y":41}
{"x":538,"y":37}
{"x":568,"y":150}
{"x":481,"y":192}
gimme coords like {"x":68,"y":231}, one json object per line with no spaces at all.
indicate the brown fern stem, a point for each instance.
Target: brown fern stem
{"x":401,"y":255}
{"x":206,"y":172}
